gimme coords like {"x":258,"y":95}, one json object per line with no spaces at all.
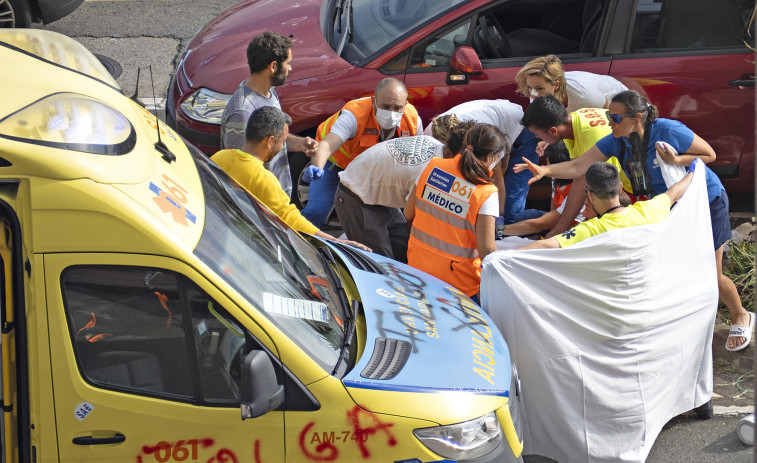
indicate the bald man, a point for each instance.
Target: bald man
{"x":359,"y":125}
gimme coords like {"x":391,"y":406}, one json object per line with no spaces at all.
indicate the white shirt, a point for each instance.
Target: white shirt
{"x":587,"y":90}
{"x":490,"y":206}
{"x":386,"y":173}
{"x":502,"y":114}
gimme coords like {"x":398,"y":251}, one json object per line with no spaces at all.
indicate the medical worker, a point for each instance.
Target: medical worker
{"x":575,"y":89}
{"x":637,"y":136}
{"x":453,"y":211}
{"x":359,"y":125}
{"x":375,"y":187}
{"x":506,"y":116}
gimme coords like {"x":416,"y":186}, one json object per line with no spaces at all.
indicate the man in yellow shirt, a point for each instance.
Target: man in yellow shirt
{"x":603,"y":197}
{"x":266,"y":131}
{"x":547,"y":118}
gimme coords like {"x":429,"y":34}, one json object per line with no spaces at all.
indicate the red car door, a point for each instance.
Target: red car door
{"x":692,"y":60}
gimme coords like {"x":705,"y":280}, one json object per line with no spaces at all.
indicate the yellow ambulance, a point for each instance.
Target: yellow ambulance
{"x":153,"y":311}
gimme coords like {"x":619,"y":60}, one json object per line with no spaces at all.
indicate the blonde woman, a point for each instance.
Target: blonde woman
{"x":575,"y":89}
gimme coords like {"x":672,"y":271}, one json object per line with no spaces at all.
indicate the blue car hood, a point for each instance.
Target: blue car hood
{"x":450,"y":342}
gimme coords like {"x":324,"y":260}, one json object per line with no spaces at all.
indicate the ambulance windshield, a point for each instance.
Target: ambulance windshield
{"x":273,"y":267}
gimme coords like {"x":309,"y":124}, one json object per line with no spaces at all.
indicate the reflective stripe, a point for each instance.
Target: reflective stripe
{"x":439,"y":214}
{"x":449,"y":248}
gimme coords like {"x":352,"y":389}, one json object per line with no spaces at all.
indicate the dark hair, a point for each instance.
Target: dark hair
{"x":603,"y":180}
{"x":634,"y":102}
{"x":265,"y":122}
{"x":265,"y":48}
{"x":481,"y":141}
{"x":545,"y":112}
{"x":556,"y":154}
{"x":456,"y":136}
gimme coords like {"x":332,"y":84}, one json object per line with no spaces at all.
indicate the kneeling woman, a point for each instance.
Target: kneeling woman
{"x":453,"y":211}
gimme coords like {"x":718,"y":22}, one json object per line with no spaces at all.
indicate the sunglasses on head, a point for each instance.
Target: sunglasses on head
{"x":617,"y":118}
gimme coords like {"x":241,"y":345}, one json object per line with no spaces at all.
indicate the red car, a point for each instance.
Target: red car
{"x":689,"y":56}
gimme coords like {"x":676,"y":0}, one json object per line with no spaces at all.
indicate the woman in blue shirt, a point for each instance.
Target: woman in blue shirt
{"x":636,"y":131}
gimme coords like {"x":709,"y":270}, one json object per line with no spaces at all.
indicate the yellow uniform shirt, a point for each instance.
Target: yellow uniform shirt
{"x":589,"y":126}
{"x":640,"y":213}
{"x":248,"y":171}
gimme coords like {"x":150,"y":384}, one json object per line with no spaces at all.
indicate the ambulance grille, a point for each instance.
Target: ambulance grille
{"x":388,"y":359}
{"x":357,"y":259}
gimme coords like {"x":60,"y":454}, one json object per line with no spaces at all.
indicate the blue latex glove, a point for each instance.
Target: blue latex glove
{"x":311,"y":173}
{"x":693,"y":164}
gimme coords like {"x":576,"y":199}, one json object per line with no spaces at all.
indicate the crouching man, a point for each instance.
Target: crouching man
{"x":603,"y":189}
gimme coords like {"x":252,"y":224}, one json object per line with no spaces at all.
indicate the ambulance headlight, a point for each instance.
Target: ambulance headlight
{"x":73,"y":122}
{"x":463,"y":441}
{"x":205,"y":105}
{"x":59,"y":49}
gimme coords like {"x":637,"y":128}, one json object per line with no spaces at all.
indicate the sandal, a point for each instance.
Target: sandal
{"x":741,"y":331}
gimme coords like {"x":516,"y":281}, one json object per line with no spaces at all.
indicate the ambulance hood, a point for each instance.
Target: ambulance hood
{"x":422,"y":337}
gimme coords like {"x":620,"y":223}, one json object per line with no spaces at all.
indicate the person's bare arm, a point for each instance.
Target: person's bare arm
{"x":485,"y":235}
{"x":326,"y":147}
{"x":570,"y":169}
{"x":531,"y":226}
{"x":326,"y":236}
{"x":410,"y":207}
{"x":303,"y":144}
{"x":548,"y":243}
{"x":698,"y":149}
{"x":679,"y":188}
{"x":574,"y":201}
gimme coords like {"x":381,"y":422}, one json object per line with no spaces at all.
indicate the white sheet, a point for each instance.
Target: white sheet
{"x":612,"y":336}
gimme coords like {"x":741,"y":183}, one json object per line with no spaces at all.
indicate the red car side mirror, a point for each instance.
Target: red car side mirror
{"x":465,"y":60}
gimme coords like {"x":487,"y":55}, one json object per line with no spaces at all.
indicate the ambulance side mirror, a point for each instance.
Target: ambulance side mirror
{"x":261,"y":392}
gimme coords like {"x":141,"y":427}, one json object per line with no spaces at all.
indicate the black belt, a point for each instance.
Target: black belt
{"x":346,"y":190}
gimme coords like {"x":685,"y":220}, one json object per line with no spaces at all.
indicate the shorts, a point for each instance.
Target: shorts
{"x":721,"y":220}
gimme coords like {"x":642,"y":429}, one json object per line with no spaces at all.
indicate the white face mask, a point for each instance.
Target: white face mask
{"x":388,"y":119}
{"x":500,"y":155}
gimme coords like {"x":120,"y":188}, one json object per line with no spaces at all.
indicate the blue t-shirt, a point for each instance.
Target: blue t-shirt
{"x":672,"y":132}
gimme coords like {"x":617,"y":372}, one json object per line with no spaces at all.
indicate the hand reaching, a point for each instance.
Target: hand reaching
{"x":311,"y":173}
{"x":537,"y":170}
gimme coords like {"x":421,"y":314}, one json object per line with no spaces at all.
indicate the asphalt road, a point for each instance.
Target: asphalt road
{"x":144,"y":33}
{"x":140,"y":34}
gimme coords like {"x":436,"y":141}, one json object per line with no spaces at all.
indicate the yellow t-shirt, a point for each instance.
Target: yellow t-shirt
{"x":249,"y":172}
{"x":589,"y":126}
{"x":640,"y":213}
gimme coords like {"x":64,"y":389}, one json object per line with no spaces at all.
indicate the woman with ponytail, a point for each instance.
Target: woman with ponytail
{"x":453,"y":211}
{"x":638,"y":134}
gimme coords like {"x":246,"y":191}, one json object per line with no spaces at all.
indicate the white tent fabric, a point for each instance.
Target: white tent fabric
{"x":612,"y":336}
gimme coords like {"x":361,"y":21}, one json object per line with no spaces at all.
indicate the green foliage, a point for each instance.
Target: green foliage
{"x":738,"y":265}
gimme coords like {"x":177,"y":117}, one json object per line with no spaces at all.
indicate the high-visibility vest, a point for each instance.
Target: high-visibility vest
{"x":368,"y":130}
{"x":559,"y":193}
{"x":443,"y":238}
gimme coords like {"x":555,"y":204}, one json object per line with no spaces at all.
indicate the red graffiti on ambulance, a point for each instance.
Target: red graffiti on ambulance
{"x":363,"y":433}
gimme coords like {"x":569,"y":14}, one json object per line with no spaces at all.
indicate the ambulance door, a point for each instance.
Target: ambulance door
{"x":146,"y":357}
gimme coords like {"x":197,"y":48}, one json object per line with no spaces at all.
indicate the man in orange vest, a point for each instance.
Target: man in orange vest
{"x":359,"y":125}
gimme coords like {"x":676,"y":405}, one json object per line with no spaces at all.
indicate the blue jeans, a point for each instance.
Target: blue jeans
{"x":321,"y":195}
{"x":516,"y":185}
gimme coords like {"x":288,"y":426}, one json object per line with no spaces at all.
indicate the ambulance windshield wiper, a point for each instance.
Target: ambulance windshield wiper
{"x":350,"y":312}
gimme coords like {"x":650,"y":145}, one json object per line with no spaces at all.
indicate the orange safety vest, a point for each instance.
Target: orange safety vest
{"x":443,"y":238}
{"x":559,"y":193}
{"x":368,"y":130}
